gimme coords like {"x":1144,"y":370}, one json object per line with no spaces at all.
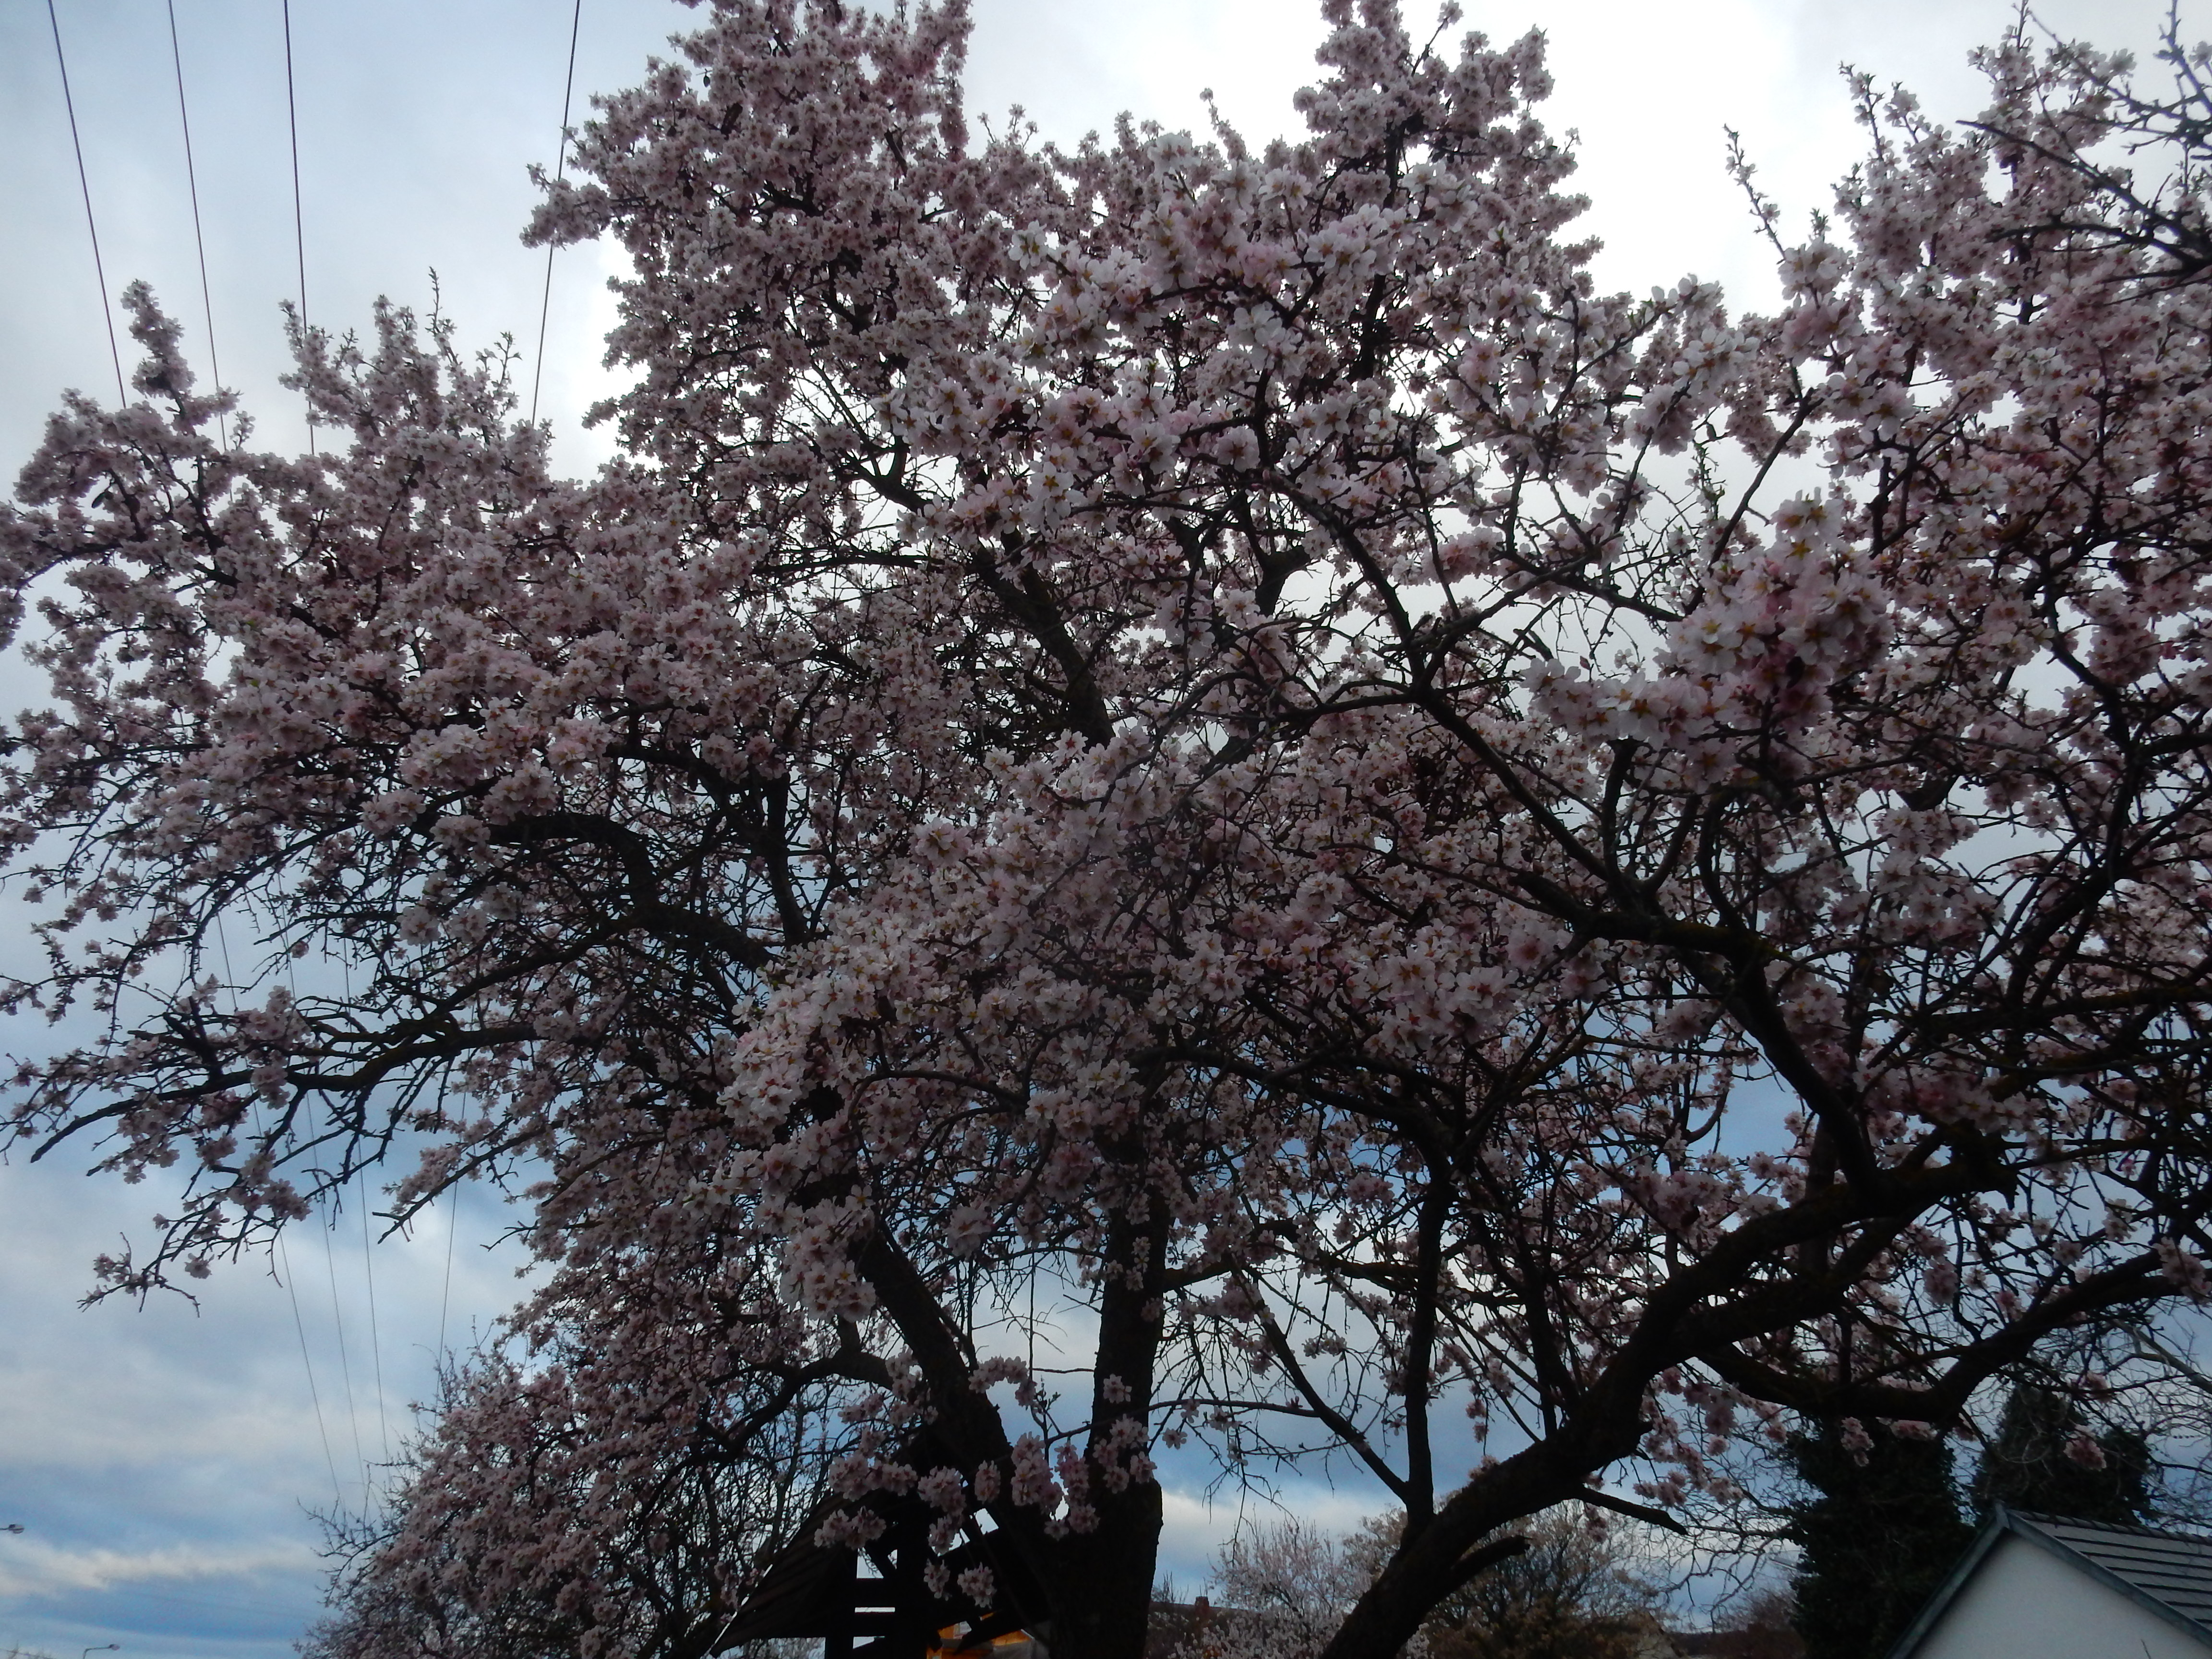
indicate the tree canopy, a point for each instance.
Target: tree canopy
{"x":1877,"y":1531}
{"x":1184,"y":802}
{"x":2047,"y":1459}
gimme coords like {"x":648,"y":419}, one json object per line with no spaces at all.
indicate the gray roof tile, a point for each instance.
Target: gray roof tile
{"x":2170,"y":1567}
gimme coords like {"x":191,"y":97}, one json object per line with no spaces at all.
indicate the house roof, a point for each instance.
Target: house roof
{"x":2169,"y":1567}
{"x":2168,"y":1573}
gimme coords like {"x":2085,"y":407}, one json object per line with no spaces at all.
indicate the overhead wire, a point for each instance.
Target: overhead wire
{"x":199,"y":238}
{"x":299,"y":220}
{"x":560,"y":172}
{"x":369,"y":1272}
{"x":375,"y":1341}
{"x":452,"y":1228}
{"x":284,"y":1261}
{"x":330,"y":1266}
{"x":84,"y":185}
{"x":298,"y":1324}
{"x":345,"y":1364}
{"x":536,"y":382}
{"x":208,"y":312}
{"x":329,"y":1255}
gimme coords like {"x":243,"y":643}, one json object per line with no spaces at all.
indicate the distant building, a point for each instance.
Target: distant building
{"x":2035,"y":1587}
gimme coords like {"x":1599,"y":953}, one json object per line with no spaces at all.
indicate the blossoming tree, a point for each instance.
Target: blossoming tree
{"x":1211,"y":734}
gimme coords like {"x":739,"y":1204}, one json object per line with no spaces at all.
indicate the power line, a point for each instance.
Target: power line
{"x":345,"y":1364}
{"x":299,"y":223}
{"x":369,"y":1272}
{"x":84,"y":184}
{"x":375,"y":1341}
{"x":199,"y":240}
{"x":284,"y":1265}
{"x":284,"y":1261}
{"x":445,"y":1297}
{"x":560,"y":172}
{"x":330,"y":1265}
{"x":330,"y":1257}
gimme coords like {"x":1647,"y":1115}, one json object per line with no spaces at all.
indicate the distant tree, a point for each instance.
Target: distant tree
{"x":1292,"y":1583}
{"x":1761,"y":1626}
{"x":2047,"y":1459}
{"x":1572,"y":1593}
{"x":554,"y":1512}
{"x":1553,"y":1587}
{"x":1876,"y":1532}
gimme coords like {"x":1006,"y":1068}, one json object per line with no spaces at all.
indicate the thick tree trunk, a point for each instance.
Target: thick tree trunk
{"x":1443,"y":1556}
{"x":1102,"y":1602}
{"x":1102,"y":1596}
{"x":1097,"y":1585}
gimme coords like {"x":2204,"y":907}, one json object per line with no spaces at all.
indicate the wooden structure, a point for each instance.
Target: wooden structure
{"x":814,"y":1590}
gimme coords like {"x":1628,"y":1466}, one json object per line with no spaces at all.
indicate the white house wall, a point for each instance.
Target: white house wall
{"x":2024,"y":1602}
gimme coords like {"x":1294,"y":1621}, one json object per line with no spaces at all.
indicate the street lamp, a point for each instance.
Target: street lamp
{"x":105,"y":1647}
{"x":13,"y":1526}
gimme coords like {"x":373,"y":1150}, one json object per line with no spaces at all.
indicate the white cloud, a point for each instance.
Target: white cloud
{"x":1194,"y":1526}
{"x":30,"y":1567}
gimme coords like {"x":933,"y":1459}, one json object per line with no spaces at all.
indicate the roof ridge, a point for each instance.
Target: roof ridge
{"x":2125,"y":1529}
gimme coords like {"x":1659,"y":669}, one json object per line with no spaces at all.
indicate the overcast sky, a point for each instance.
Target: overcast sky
{"x":164,"y":1462}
